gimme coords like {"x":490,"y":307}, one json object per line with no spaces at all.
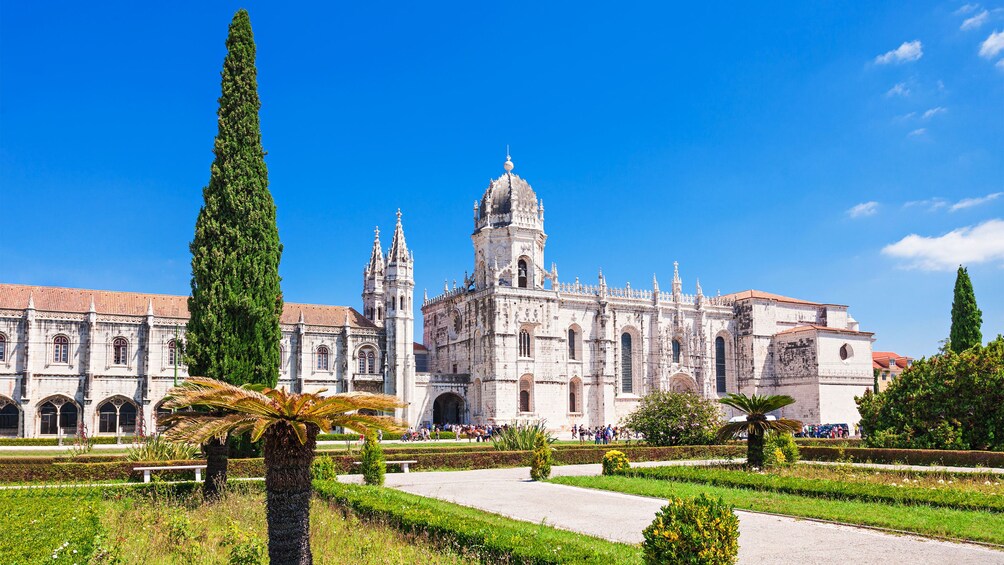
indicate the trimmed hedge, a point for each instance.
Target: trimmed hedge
{"x":494,"y":538}
{"x":54,"y":442}
{"x":823,"y":488}
{"x":115,"y":471}
{"x":905,"y":456}
{"x":355,"y":437}
{"x":834,"y":442}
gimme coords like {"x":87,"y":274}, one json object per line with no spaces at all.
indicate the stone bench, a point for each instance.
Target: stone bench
{"x":146,"y":470}
{"x":404,"y":464}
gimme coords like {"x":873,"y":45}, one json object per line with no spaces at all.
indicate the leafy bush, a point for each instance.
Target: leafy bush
{"x":905,"y":456}
{"x":540,"y":461}
{"x":948,"y":401}
{"x":700,"y":531}
{"x":615,"y":461}
{"x":323,"y":468}
{"x":676,"y":418}
{"x":372,"y":466}
{"x":245,"y":547}
{"x":158,"y":448}
{"x":521,"y":437}
{"x":780,"y":449}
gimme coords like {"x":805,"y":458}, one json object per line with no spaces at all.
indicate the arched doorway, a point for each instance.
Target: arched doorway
{"x":58,"y":414}
{"x":448,"y":409}
{"x":10,"y":418}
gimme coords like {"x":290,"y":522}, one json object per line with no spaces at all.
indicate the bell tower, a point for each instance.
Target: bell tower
{"x":399,"y":323}
{"x":373,"y":275}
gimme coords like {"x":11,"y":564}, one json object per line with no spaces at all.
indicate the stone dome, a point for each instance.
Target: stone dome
{"x":507,"y":194}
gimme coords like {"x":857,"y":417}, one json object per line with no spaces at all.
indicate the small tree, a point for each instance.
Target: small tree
{"x":373,"y":465}
{"x":756,"y":425}
{"x":675,"y":418}
{"x":541,"y":459}
{"x":701,"y":530}
{"x":966,"y":316}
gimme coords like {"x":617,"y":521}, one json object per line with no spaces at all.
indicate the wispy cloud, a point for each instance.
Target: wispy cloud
{"x":973,"y":202}
{"x":908,"y":51}
{"x":863,"y":209}
{"x":1000,"y":64}
{"x":966,"y":246}
{"x":975,"y":21}
{"x":993,"y":45}
{"x":933,"y":112}
{"x":917,"y":132}
{"x":967,"y":9}
{"x":899,"y":89}
{"x":931,"y":204}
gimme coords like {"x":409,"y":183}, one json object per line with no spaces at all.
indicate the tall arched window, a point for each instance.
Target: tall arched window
{"x":61,"y":349}
{"x":120,"y":351}
{"x":58,"y":413}
{"x":524,"y":401}
{"x":116,"y":414}
{"x":526,"y":394}
{"x":720,"y":363}
{"x":627,"y":364}
{"x":322,"y":358}
{"x":9,"y":415}
{"x":522,"y":276}
{"x":676,"y":351}
{"x":575,"y":396}
{"x":3,"y":347}
{"x":524,"y":344}
{"x":172,"y":353}
{"x":571,"y":343}
{"x":367,"y":361}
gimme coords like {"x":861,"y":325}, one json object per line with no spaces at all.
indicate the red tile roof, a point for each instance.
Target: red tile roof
{"x":76,"y":300}
{"x":750,"y":294}
{"x":880,"y":359}
{"x":419,"y":348}
{"x":814,"y":327}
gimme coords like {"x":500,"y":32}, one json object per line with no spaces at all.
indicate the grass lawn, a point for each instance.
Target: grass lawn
{"x":942,"y":522}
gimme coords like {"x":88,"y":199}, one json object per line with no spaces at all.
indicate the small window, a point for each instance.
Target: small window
{"x":322,"y":358}
{"x":846,"y":352}
{"x":627,"y":364}
{"x":120,"y":351}
{"x":676,"y":351}
{"x":524,"y":344}
{"x":571,"y":345}
{"x":3,"y":347}
{"x":61,"y":349}
{"x":522,"y":277}
{"x":720,"y":364}
{"x":172,"y":353}
{"x":524,"y":401}
{"x":458,"y":322}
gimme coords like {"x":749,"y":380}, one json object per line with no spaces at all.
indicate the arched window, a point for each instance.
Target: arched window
{"x":526,"y":394}
{"x":3,"y":348}
{"x":522,"y":275}
{"x":676,"y":351}
{"x":322,"y":358}
{"x":58,"y":413}
{"x":627,"y":364}
{"x":575,"y":396}
{"x":720,"y":363}
{"x":61,"y":349}
{"x":120,"y":351}
{"x":115,"y":415}
{"x":172,"y":353}
{"x":571,"y":344}
{"x":476,"y":396}
{"x":524,"y":343}
{"x":379,"y":312}
{"x":8,"y":417}
{"x":367,"y":361}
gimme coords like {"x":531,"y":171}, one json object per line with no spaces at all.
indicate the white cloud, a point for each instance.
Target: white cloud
{"x":973,"y":202}
{"x":908,"y":51}
{"x":931,"y":203}
{"x":964,"y":246}
{"x":863,"y":209}
{"x":917,"y":132}
{"x":975,"y":21}
{"x":1000,"y":64}
{"x":967,"y":9}
{"x":933,"y":112}
{"x":900,"y":89}
{"x":993,"y":45}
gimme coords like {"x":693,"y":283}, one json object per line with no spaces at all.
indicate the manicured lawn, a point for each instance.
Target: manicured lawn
{"x":943,"y":522}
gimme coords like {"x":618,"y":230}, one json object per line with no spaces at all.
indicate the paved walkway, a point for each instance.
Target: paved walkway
{"x":764,"y":539}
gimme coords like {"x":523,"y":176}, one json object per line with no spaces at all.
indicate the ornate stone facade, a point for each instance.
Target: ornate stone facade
{"x":515,"y":343}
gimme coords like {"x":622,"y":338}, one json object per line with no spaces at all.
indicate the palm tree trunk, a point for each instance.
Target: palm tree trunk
{"x":216,"y":468}
{"x":754,"y":450}
{"x":288,"y":492}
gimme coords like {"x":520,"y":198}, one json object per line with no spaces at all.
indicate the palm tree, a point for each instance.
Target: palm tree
{"x":289,"y":424}
{"x":756,"y":425}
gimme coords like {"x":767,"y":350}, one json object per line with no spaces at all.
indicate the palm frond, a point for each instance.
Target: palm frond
{"x":196,"y":427}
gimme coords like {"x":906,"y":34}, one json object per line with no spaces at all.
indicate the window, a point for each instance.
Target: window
{"x":57,"y":414}
{"x":627,"y":364}
{"x":720,"y":363}
{"x":172,"y":352}
{"x":61,"y":349}
{"x":571,"y":401}
{"x":524,"y":401}
{"x":676,"y":351}
{"x":8,"y":418}
{"x":120,"y":351}
{"x":574,"y":395}
{"x":3,"y":348}
{"x":524,"y":343}
{"x":522,"y":273}
{"x":379,"y":312}
{"x":571,"y":344}
{"x":458,"y":323}
{"x":322,"y":358}
{"x":111,"y":417}
{"x":367,"y":361}
{"x":846,"y":353}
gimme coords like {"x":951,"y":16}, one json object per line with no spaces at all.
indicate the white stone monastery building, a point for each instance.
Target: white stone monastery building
{"x":511,"y":343}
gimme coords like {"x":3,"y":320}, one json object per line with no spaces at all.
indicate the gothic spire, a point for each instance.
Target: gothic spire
{"x":376,"y":257}
{"x":677,"y":283}
{"x":398,"y":248}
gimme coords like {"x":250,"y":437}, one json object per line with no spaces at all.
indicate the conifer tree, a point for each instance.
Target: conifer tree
{"x":233,"y":330}
{"x":966,"y":316}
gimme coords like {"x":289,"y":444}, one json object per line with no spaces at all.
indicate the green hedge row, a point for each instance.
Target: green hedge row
{"x":115,"y":471}
{"x":355,"y":437}
{"x":67,"y":441}
{"x":491,"y":537}
{"x":829,"y":442}
{"x":823,"y":488}
{"x":905,"y":456}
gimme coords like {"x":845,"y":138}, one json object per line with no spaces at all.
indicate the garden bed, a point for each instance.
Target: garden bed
{"x":904,"y":456}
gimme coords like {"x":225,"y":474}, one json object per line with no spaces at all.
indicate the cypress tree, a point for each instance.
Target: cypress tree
{"x":966,"y":316}
{"x":233,"y":330}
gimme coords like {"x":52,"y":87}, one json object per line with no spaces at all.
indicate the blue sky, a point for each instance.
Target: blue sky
{"x":840,"y":152}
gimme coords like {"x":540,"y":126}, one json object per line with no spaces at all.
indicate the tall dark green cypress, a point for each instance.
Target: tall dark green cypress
{"x":966,"y":316}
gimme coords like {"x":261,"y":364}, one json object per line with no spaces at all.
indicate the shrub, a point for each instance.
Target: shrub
{"x":615,"y":461}
{"x":780,"y":449}
{"x":323,"y":468}
{"x":676,"y":418}
{"x":701,"y":530}
{"x":158,"y":448}
{"x":245,"y":547}
{"x":372,"y":466}
{"x":540,"y":461}
{"x":521,"y":437}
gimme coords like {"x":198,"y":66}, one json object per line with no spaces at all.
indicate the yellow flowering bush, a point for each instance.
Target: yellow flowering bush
{"x":780,"y":450}
{"x":615,"y":461}
{"x":701,"y":531}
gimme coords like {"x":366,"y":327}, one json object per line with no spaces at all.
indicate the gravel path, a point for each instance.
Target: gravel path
{"x":764,"y":538}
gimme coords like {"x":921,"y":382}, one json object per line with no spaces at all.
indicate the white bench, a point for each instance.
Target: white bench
{"x":147,"y":470}
{"x":404,"y":464}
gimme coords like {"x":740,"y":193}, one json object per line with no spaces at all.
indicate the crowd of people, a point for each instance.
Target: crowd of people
{"x":601,"y":435}
{"x":826,"y":431}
